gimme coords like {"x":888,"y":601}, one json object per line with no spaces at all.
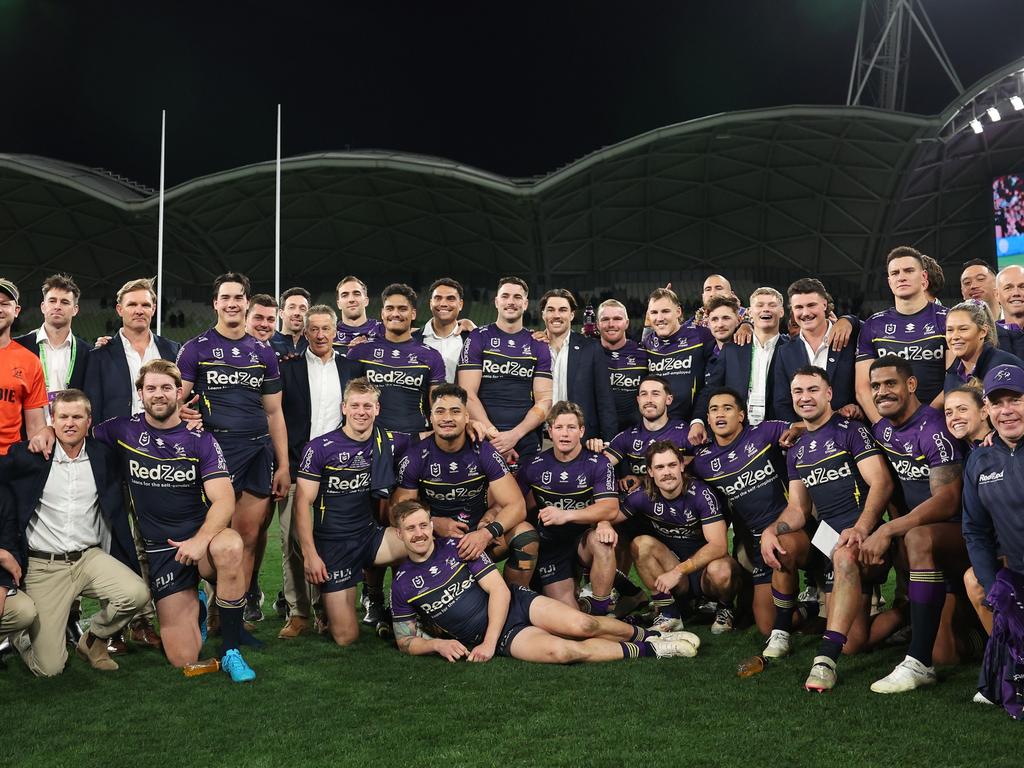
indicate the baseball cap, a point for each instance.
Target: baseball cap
{"x":1008,"y":377}
{"x":9,"y":288}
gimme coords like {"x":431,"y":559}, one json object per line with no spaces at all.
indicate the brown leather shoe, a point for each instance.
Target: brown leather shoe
{"x":295,"y":626}
{"x":116,"y":644}
{"x":143,"y":633}
{"x":96,"y":653}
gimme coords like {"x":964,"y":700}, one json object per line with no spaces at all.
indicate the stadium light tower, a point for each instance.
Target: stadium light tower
{"x":882,"y":53}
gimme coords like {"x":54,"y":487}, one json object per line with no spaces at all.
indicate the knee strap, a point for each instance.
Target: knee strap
{"x":519,"y":558}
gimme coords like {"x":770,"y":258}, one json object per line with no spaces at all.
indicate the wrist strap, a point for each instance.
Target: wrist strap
{"x":495,"y":528}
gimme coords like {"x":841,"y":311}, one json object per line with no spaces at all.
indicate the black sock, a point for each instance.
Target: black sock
{"x":626,"y":587}
{"x":927,"y":594}
{"x":230,"y":622}
{"x":832,"y":644}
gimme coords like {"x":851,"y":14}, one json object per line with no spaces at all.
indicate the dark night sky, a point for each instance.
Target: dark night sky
{"x":516,"y":88}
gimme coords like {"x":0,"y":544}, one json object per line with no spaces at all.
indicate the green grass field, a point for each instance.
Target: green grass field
{"x":316,"y":704}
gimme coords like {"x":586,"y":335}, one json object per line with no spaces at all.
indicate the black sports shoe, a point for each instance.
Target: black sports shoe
{"x":281,"y":606}
{"x":253,"y":607}
{"x":375,"y":611}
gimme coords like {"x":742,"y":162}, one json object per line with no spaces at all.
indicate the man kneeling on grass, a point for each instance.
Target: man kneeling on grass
{"x":470,"y":605}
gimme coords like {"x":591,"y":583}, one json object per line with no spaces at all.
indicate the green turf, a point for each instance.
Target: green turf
{"x":316,"y":704}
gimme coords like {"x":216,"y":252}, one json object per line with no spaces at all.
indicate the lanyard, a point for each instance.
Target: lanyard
{"x":71,"y":363}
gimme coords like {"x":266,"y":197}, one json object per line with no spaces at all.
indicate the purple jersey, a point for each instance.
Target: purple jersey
{"x":913,"y":449}
{"x":453,"y":484}
{"x":443,"y":590}
{"x":508,"y":362}
{"x":629,"y":447}
{"x":231,"y":376}
{"x":573,"y":484}
{"x":682,"y":359}
{"x":165,"y":470}
{"x":626,"y":366}
{"x":404,"y":372}
{"x":680,"y":520}
{"x":346,"y":334}
{"x":825,"y":459}
{"x":750,"y":472}
{"x":351,"y":473}
{"x":920,"y":339}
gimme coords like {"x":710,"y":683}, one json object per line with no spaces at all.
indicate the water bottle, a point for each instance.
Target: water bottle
{"x":589,"y":323}
{"x":755,"y":665}
{"x":204,"y":667}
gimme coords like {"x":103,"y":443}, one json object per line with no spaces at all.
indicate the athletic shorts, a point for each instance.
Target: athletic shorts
{"x":518,"y":618}
{"x":250,"y":461}
{"x":751,"y":545}
{"x":346,"y":558}
{"x":558,"y":559}
{"x":684,"y":550}
{"x":167,"y":575}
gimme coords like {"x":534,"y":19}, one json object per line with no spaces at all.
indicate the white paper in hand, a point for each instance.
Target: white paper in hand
{"x":825,"y":538}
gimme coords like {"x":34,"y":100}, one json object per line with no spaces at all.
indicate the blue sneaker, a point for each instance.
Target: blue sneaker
{"x":203,"y":613}
{"x":235,"y":665}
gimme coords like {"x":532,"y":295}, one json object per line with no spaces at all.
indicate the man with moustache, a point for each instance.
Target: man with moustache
{"x":627,"y":361}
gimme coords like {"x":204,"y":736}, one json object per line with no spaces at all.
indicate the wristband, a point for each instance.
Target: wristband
{"x":685,"y":567}
{"x":495,"y":528}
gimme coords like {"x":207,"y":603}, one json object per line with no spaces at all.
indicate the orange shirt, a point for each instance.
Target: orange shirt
{"x":22,"y":387}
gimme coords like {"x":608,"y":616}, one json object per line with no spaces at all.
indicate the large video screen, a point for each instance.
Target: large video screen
{"x":1008,"y":207}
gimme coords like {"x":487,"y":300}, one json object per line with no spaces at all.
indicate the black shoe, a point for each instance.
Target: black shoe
{"x":73,"y":631}
{"x":253,"y":607}
{"x":375,"y":611}
{"x":281,"y":606}
{"x":6,"y":649}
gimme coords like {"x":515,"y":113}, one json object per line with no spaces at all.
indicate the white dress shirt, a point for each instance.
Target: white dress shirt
{"x":324,"y":394}
{"x":67,"y":518}
{"x":449,"y":347}
{"x":757,"y":389}
{"x":819,"y":356}
{"x":135,"y":363}
{"x":559,"y":371}
{"x":58,"y":360}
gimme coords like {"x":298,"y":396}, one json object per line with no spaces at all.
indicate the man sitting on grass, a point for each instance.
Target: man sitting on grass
{"x":478,"y":615}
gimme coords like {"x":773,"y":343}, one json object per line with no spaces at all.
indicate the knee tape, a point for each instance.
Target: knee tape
{"x":519,"y":559}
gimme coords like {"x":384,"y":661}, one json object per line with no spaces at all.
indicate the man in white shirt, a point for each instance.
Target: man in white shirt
{"x":444,"y":331}
{"x":70,"y":509}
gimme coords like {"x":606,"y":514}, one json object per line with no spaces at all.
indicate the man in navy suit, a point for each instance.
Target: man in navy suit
{"x":75,"y":539}
{"x":815,"y":345}
{"x":578,"y":367}
{"x":64,"y":356}
{"x":312,"y":384}
{"x":110,"y":385}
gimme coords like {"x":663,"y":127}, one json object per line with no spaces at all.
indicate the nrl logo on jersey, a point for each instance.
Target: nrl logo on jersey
{"x":495,"y":343}
{"x":659,"y":509}
{"x":344,"y":457}
{"x":218,"y":353}
{"x":890,"y":329}
{"x":750,"y":449}
{"x":545,"y":478}
{"x":887,"y":434}
{"x":144,"y":439}
{"x":378,"y":353}
{"x":435,"y":469}
{"x":417,"y":582}
{"x":638,"y":445}
{"x":716,"y":465}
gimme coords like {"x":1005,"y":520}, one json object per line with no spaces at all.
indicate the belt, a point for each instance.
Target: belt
{"x":69,"y":557}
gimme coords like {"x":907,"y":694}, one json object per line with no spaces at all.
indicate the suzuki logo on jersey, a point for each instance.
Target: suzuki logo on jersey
{"x":395,"y":353}
{"x":750,"y":478}
{"x":168,"y":473}
{"x":908,"y":471}
{"x":453,"y":466}
{"x":235,"y":352}
{"x":671,"y":364}
{"x":820,"y":475}
{"x":396,"y":378}
{"x":238,"y":378}
{"x":615,"y":355}
{"x":508,"y":368}
{"x":890,"y":329}
{"x":732,"y":456}
{"x":910,"y":327}
{"x":358,"y":483}
{"x":991,"y":477}
{"x":563,"y":476}
{"x":915,"y":352}
{"x":434,"y":570}
{"x":813,"y":446}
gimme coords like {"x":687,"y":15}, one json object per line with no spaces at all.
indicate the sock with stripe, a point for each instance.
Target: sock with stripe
{"x":784,"y":605}
{"x":636,"y":650}
{"x":832,"y":644}
{"x":230,"y":622}
{"x":927,"y":593}
{"x":665,"y":604}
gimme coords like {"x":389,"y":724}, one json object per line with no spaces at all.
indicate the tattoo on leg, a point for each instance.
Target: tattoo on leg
{"x":782,"y":528}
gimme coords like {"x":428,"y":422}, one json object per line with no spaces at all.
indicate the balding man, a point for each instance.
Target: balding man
{"x":978,"y":282}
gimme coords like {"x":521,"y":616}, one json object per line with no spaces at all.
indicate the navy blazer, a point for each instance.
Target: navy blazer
{"x":82,"y":353}
{"x":840,"y":369}
{"x":297,"y":405}
{"x":989,"y":358}
{"x":588,"y":384}
{"x":9,"y":538}
{"x":25,"y":474}
{"x":732,"y":369}
{"x":108,"y":380}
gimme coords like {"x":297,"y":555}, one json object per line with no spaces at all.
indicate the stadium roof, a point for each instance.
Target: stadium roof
{"x":772,"y":193}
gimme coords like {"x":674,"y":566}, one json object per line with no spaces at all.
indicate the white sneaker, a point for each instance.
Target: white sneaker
{"x":587,"y":591}
{"x":723,"y":620}
{"x":689,"y":637}
{"x":809,"y":595}
{"x":908,"y":675}
{"x":822,"y":676}
{"x":665,"y":624}
{"x":668,"y":648}
{"x":778,"y":644}
{"x":981,"y":698}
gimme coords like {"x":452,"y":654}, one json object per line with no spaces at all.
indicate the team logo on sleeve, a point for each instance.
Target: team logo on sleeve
{"x":890,"y":329}
{"x":417,"y":582}
{"x":716,"y":465}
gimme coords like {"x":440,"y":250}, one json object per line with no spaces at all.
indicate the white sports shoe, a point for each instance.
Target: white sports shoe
{"x":689,"y":637}
{"x":908,"y":675}
{"x":822,"y":676}
{"x":668,"y":648}
{"x":981,"y":698}
{"x":723,"y":620}
{"x":587,"y":590}
{"x":778,"y":644}
{"x":665,"y":624}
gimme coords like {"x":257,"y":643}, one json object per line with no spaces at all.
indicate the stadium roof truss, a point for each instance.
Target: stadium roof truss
{"x":775,"y":193}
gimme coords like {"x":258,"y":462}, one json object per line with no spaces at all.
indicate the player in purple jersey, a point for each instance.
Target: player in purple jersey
{"x":569,"y":491}
{"x":179,"y":486}
{"x":678,"y":353}
{"x":745,"y":464}
{"x":353,"y":326}
{"x":627,"y":360}
{"x":966,"y":418}
{"x":687,"y":554}
{"x":914,"y":329}
{"x":343,"y":480}
{"x":238,"y":383}
{"x":507,"y":375}
{"x":404,"y":370}
{"x":927,"y":462}
{"x":836,"y":468}
{"x":474,"y":497}
{"x":477,"y":615}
